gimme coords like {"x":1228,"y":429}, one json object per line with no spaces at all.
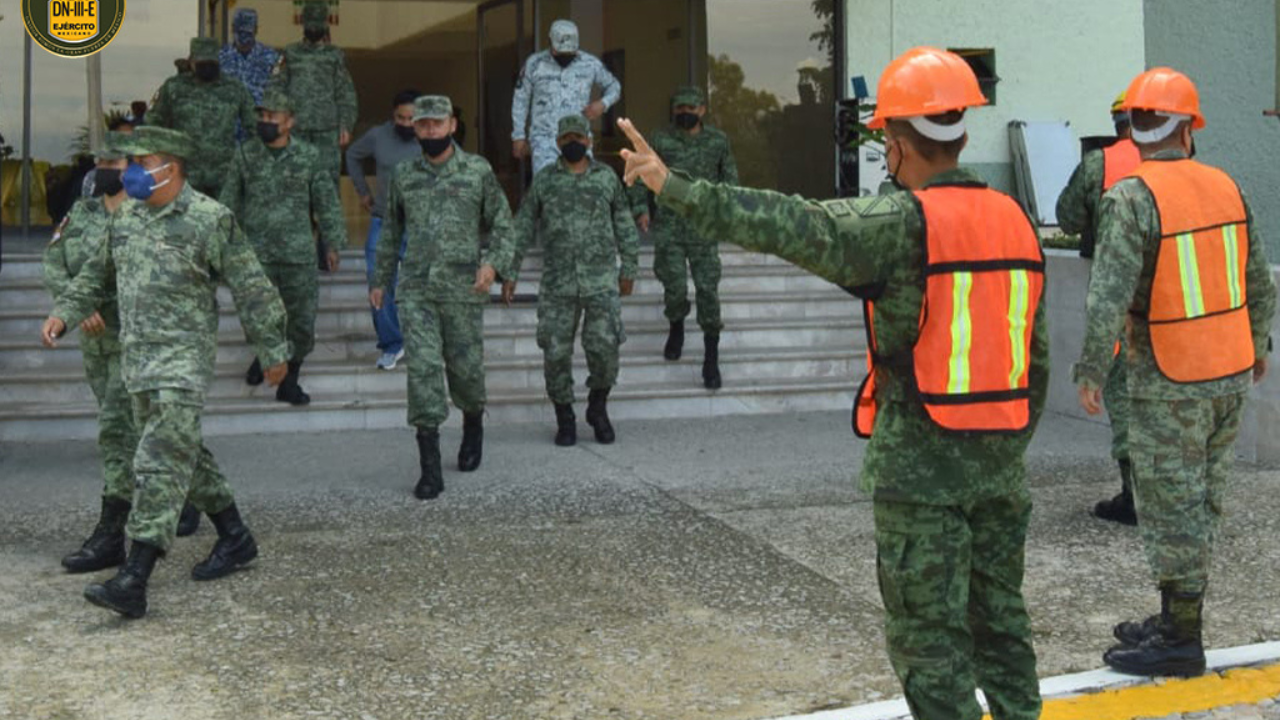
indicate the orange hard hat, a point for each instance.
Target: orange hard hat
{"x":925,"y":81}
{"x":1167,"y":90}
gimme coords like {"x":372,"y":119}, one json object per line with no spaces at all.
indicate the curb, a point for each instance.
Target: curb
{"x":1106,"y":694}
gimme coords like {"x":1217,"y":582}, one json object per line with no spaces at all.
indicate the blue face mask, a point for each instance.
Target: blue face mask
{"x":137,"y":181}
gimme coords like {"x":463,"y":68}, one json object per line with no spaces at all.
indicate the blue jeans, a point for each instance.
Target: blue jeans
{"x":385,"y":321}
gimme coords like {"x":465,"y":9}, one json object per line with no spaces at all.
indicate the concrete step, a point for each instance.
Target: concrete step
{"x":351,"y":288}
{"x":500,"y":342}
{"x":628,"y":402}
{"x":353,"y":316}
{"x":334,"y":379}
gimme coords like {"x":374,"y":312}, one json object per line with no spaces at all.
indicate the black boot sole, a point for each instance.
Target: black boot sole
{"x":1107,"y":510}
{"x":566,"y":440}
{"x":296,"y":401}
{"x":100,"y":596}
{"x":424,"y":491}
{"x":712,"y":383}
{"x":74,"y":567}
{"x":604,"y":435}
{"x":1184,"y":669}
{"x":240,"y":561}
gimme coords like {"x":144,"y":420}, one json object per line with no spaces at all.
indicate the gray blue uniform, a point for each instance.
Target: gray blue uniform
{"x":546,"y":92}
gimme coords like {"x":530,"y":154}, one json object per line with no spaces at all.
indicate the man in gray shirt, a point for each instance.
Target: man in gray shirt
{"x":387,"y":144}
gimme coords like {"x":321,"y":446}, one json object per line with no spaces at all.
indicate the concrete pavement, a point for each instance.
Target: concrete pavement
{"x":697,"y":569}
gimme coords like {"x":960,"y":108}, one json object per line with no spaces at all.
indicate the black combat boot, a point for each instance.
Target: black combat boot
{"x":1175,"y":650}
{"x":431,"y":482}
{"x":1120,"y":508}
{"x":126,"y":593}
{"x":253,"y":376}
{"x":598,"y":416}
{"x":105,"y":547}
{"x":234,"y":549}
{"x":566,"y":426}
{"x":675,"y":341}
{"x":711,"y":361}
{"x":189,"y":520}
{"x":1132,"y":632}
{"x":472,"y":441}
{"x":290,"y":391}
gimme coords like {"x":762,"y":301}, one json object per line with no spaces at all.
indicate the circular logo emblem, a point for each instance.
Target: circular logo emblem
{"x":73,"y":28}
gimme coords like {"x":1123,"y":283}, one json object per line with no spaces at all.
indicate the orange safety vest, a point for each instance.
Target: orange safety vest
{"x":1198,"y":318}
{"x":1119,"y":159}
{"x":984,"y":277}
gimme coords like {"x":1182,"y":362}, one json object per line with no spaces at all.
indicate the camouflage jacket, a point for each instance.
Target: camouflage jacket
{"x":166,"y":263}
{"x":705,"y":156}
{"x":1120,"y":292}
{"x":77,"y":239}
{"x":442,"y":211}
{"x":207,"y":113}
{"x":545,"y":92}
{"x":1077,"y":208}
{"x":316,"y":78}
{"x":864,"y":243}
{"x":275,"y":193}
{"x":253,"y":69}
{"x":584,"y":222}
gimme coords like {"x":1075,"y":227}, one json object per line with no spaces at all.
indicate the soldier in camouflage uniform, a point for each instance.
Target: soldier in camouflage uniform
{"x":315,"y":76}
{"x":208,"y":107}
{"x":951,"y":509}
{"x":276,"y":185}
{"x":1182,"y":432}
{"x":1077,"y":213}
{"x":440,"y":203}
{"x":580,"y":210}
{"x":246,"y":59}
{"x":166,"y":256}
{"x":78,"y":238}
{"x":702,"y":151}
{"x":554,"y":83}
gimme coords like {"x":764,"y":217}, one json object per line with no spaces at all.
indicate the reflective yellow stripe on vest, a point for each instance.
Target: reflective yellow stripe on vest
{"x":961,"y":334}
{"x":1189,"y":272}
{"x":1019,"y":301}
{"x":1231,"y":243}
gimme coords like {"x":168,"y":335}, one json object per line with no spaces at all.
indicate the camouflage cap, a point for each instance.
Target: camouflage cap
{"x":574,"y":123}
{"x":315,"y":14}
{"x":111,"y":144}
{"x":204,"y":48}
{"x":245,"y":18}
{"x":151,"y":140}
{"x":276,"y":99}
{"x":436,"y":107}
{"x":564,"y":36}
{"x":688,"y":95}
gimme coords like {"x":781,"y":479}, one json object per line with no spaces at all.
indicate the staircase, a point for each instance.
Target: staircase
{"x":792,"y":342}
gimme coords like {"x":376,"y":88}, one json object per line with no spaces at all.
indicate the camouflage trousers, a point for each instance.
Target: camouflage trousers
{"x":1182,"y":452}
{"x":673,"y":262}
{"x":602,"y":334}
{"x":326,"y":142}
{"x":443,"y":340}
{"x":1115,"y":396}
{"x":299,"y":288}
{"x":951,"y":581}
{"x":172,"y":465}
{"x":117,"y":435}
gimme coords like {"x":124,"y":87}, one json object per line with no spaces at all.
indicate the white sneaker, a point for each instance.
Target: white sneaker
{"x":388,"y":360}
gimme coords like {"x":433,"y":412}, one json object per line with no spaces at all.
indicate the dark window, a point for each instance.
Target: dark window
{"x":983,"y":62}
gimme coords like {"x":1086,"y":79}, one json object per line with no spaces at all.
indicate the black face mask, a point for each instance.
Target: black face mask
{"x":206,"y":71}
{"x":687,"y":120}
{"x":564,"y":60}
{"x":433,"y":147}
{"x":573,"y":151}
{"x":314,"y":35}
{"x":106,"y":181}
{"x":405,"y":132}
{"x":268,"y":131}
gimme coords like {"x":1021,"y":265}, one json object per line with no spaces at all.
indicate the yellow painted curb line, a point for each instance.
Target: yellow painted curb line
{"x":1239,"y":686}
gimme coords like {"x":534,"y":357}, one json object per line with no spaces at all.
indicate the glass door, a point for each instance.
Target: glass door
{"x":501,"y":49}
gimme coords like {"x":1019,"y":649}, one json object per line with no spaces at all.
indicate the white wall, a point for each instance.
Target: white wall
{"x":1056,"y":60}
